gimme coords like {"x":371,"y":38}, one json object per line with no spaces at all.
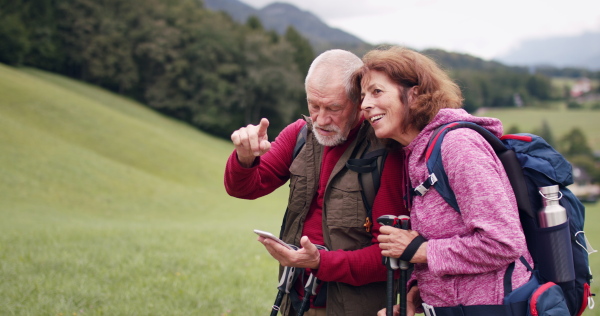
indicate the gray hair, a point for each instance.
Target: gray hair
{"x":339,"y":64}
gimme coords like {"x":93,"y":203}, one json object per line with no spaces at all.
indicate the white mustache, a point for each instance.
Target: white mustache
{"x":329,"y":128}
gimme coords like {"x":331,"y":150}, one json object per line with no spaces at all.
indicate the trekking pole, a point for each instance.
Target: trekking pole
{"x":390,"y":263}
{"x":310,"y":289}
{"x":285,"y":284}
{"x":404,"y":265}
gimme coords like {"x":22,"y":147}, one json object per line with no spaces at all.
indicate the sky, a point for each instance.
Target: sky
{"x":478,"y":27}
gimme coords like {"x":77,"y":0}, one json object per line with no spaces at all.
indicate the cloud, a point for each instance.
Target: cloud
{"x":481,"y":28}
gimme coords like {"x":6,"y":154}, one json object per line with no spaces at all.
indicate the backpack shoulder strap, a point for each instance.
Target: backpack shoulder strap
{"x":369,"y":168}
{"x":300,"y":141}
{"x":439,"y":180}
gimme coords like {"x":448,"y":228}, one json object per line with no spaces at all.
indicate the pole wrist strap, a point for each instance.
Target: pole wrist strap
{"x":412,"y":248}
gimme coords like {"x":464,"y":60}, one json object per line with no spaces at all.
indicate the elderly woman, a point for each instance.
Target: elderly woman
{"x":465,"y":255}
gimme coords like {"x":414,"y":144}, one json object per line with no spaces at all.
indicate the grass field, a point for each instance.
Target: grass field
{"x":110,"y":209}
{"x":561,"y":121}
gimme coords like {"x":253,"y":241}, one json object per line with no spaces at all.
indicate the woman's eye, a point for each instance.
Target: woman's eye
{"x":377,"y":91}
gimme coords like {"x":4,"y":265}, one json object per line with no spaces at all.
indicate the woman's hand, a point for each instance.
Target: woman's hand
{"x":393,"y":241}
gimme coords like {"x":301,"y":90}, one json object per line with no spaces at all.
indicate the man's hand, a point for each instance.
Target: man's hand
{"x":306,"y":257}
{"x":250,"y":142}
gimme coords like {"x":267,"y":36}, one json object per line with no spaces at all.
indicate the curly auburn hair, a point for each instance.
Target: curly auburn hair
{"x":434,"y":88}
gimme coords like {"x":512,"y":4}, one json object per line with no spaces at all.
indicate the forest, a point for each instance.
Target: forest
{"x":203,"y":68}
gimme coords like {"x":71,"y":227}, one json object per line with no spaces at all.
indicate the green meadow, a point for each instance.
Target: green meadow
{"x":560,"y":120}
{"x":108,"y":208}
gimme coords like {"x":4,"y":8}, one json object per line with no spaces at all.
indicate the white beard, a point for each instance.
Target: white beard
{"x":329,"y":141}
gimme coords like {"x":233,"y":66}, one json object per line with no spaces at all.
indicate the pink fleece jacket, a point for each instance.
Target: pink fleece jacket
{"x":468,"y":252}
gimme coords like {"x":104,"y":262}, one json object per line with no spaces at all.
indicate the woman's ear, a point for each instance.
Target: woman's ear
{"x":413,"y":93}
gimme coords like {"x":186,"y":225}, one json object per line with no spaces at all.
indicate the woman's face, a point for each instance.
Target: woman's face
{"x":381,"y":105}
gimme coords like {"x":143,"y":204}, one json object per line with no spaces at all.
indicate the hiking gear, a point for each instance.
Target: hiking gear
{"x":552,"y":214}
{"x":530,"y":164}
{"x":559,"y":266}
{"x":547,"y":300}
{"x":343,"y":217}
{"x":404,"y":265}
{"x":310,"y":288}
{"x":476,"y":310}
{"x":285,"y":283}
{"x":402,"y":222}
{"x":369,"y":167}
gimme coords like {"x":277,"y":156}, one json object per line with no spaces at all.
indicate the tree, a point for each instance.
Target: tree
{"x":575,"y":143}
{"x":95,"y":37}
{"x":539,"y":86}
{"x":513,"y":129}
{"x":254,"y":23}
{"x":14,"y":39}
{"x":173,"y":55}
{"x":303,"y":51}
{"x":545,"y":132}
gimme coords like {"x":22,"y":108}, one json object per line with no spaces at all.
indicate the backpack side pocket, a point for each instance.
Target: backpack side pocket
{"x":547,"y":300}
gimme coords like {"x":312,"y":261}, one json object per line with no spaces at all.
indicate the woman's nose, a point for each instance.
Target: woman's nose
{"x":366,"y":104}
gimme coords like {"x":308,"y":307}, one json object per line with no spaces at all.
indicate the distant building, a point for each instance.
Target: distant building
{"x":517,"y":100}
{"x":583,"y":85}
{"x":582,"y":186}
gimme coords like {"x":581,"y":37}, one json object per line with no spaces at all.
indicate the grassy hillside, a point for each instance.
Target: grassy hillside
{"x":109,"y":208}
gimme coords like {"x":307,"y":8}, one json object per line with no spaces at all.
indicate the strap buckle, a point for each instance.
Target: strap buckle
{"x":429,"y":310}
{"x":426,"y":185}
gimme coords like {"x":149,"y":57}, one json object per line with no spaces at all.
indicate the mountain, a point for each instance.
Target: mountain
{"x":565,"y":51}
{"x":238,"y":10}
{"x":278,"y":16}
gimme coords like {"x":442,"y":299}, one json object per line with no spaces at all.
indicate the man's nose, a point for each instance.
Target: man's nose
{"x":323,"y":117}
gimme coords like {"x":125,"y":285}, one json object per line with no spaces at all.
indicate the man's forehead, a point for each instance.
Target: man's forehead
{"x":333,"y":105}
{"x":328,"y":99}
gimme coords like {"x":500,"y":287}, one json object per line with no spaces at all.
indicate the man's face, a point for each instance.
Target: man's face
{"x":332,"y":113}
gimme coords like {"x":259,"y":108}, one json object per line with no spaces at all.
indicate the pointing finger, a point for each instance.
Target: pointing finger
{"x":262,"y":127}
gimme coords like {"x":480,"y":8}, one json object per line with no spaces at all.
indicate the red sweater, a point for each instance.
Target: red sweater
{"x":270,"y":171}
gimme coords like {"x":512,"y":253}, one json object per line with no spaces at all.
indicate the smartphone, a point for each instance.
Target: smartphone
{"x":273,"y":237}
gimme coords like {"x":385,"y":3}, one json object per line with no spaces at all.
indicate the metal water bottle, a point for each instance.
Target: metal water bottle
{"x":552,"y":214}
{"x":554,"y":240}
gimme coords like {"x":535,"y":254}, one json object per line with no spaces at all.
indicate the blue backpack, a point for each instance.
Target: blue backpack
{"x":531,"y":163}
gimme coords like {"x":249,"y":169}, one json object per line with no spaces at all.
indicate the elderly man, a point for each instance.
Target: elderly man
{"x":325,"y":204}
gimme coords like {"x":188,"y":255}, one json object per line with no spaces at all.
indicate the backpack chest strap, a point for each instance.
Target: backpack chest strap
{"x":424,"y":187}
